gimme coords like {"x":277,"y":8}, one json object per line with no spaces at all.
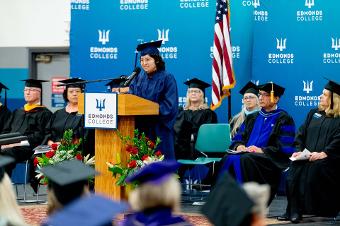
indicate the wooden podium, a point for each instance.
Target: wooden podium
{"x":108,"y":144}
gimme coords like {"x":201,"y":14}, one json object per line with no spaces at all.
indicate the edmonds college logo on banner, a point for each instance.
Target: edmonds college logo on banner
{"x":309,"y":13}
{"x":134,"y":4}
{"x":281,"y":56}
{"x":83,"y":5}
{"x":193,"y":4}
{"x":307,"y":99}
{"x":103,"y":51}
{"x":333,"y":56}
{"x":167,"y":52}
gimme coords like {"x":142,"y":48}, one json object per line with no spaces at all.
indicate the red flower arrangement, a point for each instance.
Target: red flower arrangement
{"x":66,"y":150}
{"x":142,"y":151}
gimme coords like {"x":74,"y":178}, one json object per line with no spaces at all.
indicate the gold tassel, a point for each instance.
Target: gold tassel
{"x":272,"y":94}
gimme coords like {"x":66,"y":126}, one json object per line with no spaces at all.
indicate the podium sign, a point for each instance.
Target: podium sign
{"x":101,"y":110}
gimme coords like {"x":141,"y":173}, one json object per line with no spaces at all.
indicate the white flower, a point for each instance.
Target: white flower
{"x":90,"y":161}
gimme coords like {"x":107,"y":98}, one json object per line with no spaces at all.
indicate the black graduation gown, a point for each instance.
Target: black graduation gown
{"x":275,"y":131}
{"x":5,"y":114}
{"x":31,"y":124}
{"x":187,"y":124}
{"x":313,"y":187}
{"x":62,"y":121}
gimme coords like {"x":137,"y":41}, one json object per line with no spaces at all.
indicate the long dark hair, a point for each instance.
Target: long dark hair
{"x":160,"y":64}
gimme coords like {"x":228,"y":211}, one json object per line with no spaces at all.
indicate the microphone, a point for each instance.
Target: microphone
{"x":132,"y":76}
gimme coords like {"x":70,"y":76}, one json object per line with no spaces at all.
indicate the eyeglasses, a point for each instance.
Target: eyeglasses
{"x":31,"y":90}
{"x":248,"y":97}
{"x":194,"y":91}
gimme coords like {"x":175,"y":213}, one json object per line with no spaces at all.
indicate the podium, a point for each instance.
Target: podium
{"x":108,"y":143}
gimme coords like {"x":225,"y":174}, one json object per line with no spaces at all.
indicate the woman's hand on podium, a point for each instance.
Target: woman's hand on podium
{"x":120,"y":90}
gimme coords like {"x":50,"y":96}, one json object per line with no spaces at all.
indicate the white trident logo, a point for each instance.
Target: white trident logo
{"x":336,"y":43}
{"x":309,"y":3}
{"x":307,"y":86}
{"x":281,"y":44}
{"x":103,"y":36}
{"x":163,"y":35}
{"x":256,"y":3}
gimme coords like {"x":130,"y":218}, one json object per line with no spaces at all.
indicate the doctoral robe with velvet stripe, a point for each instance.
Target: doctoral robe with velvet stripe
{"x":274,"y":133}
{"x":313,"y":187}
{"x":160,"y":87}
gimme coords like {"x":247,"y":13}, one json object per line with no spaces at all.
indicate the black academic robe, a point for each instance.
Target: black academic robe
{"x":5,"y":114}
{"x":313,"y":187}
{"x":31,"y":124}
{"x":62,"y":121}
{"x":186,"y":127}
{"x":274,"y":133}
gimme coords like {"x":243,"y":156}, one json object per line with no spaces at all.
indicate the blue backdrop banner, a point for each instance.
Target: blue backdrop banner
{"x":291,"y":42}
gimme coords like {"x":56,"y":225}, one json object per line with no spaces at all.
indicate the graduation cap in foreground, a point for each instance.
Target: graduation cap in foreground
{"x":3,"y":87}
{"x":334,"y":88}
{"x":249,"y":88}
{"x":150,"y":48}
{"x":4,"y":161}
{"x":33,"y":82}
{"x":154,"y":172}
{"x":68,"y":178}
{"x":93,"y":210}
{"x":117,"y":82}
{"x":227,"y":203}
{"x":73,"y":82}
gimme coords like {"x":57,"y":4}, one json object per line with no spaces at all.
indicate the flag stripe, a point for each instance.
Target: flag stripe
{"x":222,"y":72}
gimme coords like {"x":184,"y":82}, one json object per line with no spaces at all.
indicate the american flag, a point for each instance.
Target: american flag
{"x":222,"y":72}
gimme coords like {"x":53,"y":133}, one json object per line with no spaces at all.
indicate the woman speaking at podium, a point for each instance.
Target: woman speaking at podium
{"x":154,"y":83}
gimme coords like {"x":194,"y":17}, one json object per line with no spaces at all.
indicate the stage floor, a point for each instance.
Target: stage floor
{"x":276,"y":208}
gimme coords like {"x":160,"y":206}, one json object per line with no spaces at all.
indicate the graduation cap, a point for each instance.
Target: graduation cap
{"x":4,"y":161}
{"x":33,"y":82}
{"x":117,"y":82}
{"x":154,"y":172}
{"x":150,"y":48}
{"x":197,"y":83}
{"x":93,"y":210}
{"x":227,"y":204}
{"x":73,"y":82}
{"x":2,"y":86}
{"x":274,"y":89}
{"x":68,"y":178}
{"x":334,"y":88}
{"x":250,"y":88}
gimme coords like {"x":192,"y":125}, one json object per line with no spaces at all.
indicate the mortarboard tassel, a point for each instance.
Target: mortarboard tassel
{"x":272,"y":94}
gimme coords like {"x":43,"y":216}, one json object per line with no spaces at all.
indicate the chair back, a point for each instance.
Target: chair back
{"x":213,"y":137}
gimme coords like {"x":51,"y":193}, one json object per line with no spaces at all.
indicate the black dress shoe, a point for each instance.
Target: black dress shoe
{"x":295,"y":218}
{"x":283,"y":217}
